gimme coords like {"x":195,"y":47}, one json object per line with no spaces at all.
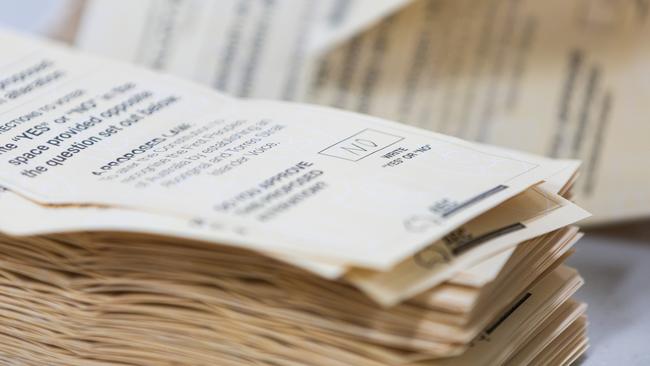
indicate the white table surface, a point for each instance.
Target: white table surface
{"x":615,"y":262}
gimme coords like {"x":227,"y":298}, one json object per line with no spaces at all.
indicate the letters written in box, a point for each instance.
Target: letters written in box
{"x":361,"y":145}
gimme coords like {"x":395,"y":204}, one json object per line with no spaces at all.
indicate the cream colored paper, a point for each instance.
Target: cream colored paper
{"x":139,"y":298}
{"x":246,"y":48}
{"x":33,"y":219}
{"x":535,"y":256}
{"x":531,"y":260}
{"x":550,"y":77}
{"x":560,"y":331}
{"x":30,"y":218}
{"x":530,"y":311}
{"x":438,"y":263}
{"x":260,"y":174}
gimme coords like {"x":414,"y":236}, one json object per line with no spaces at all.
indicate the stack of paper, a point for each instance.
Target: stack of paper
{"x":151,"y":221}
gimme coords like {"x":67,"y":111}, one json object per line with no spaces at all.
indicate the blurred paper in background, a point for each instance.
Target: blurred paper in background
{"x":549,"y":77}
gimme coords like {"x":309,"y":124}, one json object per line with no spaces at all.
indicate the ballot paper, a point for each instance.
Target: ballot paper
{"x":256,"y":48}
{"x":412,"y":277}
{"x":441,"y":260}
{"x":31,"y":218}
{"x":550,"y":77}
{"x":529,"y":261}
{"x":148,"y":220}
{"x":155,"y":302}
{"x":513,"y":333}
{"x":260,"y":174}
